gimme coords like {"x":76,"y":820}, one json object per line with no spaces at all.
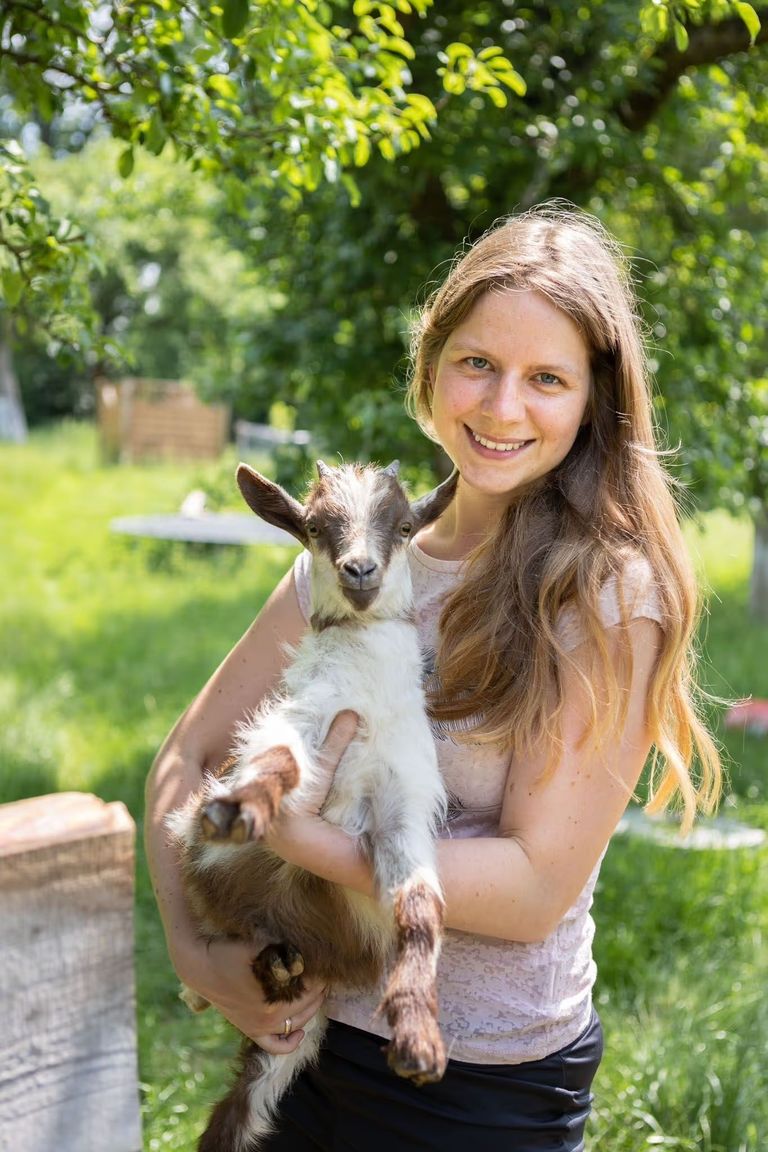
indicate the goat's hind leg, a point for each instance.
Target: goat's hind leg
{"x":244,"y":802}
{"x":416,"y":1049}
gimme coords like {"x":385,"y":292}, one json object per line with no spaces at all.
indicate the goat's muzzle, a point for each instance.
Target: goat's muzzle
{"x":359,"y":580}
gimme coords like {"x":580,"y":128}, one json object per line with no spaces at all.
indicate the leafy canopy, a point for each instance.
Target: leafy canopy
{"x":286,"y":92}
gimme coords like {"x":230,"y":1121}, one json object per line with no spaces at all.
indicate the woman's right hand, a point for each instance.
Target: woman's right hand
{"x":220,"y":971}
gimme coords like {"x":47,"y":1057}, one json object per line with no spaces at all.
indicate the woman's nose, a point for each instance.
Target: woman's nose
{"x":506,"y":400}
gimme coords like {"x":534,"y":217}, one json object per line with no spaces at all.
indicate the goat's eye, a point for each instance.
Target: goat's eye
{"x":313,"y":530}
{"x":406,"y":529}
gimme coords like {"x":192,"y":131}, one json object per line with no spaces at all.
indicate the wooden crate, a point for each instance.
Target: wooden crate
{"x":157,"y":420}
{"x":68,"y":1067}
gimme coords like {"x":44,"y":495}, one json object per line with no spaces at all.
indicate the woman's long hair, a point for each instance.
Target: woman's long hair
{"x":565,"y":536}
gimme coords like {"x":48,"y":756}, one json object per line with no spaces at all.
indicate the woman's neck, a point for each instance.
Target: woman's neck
{"x":467,"y":522}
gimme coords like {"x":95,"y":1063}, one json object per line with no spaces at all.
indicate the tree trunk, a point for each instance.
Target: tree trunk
{"x":759,"y":581}
{"x":13,"y":424}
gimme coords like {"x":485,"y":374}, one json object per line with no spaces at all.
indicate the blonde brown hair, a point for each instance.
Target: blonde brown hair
{"x":566,"y":535}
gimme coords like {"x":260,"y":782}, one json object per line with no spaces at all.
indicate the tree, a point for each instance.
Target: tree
{"x":259,"y":93}
{"x":664,"y":139}
{"x":172,"y":300}
{"x":287,"y":92}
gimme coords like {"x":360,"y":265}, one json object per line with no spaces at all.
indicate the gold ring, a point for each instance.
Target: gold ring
{"x":288,"y":1027}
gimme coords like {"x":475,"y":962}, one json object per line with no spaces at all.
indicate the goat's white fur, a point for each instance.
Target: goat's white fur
{"x":387,"y":783}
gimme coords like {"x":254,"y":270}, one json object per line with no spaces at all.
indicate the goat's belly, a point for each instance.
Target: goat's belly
{"x":250,"y":892}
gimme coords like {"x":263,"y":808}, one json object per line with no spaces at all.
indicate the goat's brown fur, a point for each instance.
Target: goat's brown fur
{"x":410,"y":999}
{"x":239,"y":888}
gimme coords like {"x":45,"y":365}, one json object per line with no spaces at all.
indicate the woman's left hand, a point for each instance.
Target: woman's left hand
{"x":304,"y":838}
{"x":291,"y":820}
{"x":341,"y":733}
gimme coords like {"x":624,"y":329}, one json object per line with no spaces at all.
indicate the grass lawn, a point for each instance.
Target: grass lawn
{"x":105,"y":640}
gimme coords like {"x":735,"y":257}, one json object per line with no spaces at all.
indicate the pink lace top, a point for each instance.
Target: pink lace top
{"x":501,"y":1002}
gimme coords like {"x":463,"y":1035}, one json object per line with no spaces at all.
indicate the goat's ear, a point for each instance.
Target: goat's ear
{"x":271,"y":502}
{"x":392,"y":469}
{"x":428,"y":508}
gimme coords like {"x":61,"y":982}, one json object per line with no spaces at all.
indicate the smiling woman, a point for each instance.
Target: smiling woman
{"x":555,"y":609}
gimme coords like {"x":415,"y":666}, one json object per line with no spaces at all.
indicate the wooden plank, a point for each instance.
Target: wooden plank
{"x":68,"y":1072}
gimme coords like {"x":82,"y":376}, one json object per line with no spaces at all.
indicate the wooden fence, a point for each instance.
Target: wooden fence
{"x":142,"y":419}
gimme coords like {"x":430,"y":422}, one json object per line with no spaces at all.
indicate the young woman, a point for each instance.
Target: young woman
{"x":557,"y":606}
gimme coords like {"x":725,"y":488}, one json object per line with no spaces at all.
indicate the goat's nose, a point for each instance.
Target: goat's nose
{"x":360,"y":569}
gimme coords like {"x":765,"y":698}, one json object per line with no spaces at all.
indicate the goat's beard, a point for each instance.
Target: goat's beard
{"x":361,"y":598}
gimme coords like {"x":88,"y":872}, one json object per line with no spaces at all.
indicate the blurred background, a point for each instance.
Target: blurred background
{"x":216,"y":225}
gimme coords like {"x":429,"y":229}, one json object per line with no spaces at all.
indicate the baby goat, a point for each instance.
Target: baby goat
{"x":362,"y":653}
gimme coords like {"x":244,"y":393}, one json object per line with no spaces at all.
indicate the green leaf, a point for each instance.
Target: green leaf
{"x":457,"y":49}
{"x":497,"y":97}
{"x":387,"y":148}
{"x":454,"y":83}
{"x":12,"y":285}
{"x":362,"y":151}
{"x":234,"y":17}
{"x":513,"y":80}
{"x":681,"y":36}
{"x":155,"y":139}
{"x":222,"y":85}
{"x":422,"y":106}
{"x":353,"y":191}
{"x":750,"y":18}
{"x":125,"y":163}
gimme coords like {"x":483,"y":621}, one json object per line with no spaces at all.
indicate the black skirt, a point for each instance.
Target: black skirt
{"x":350,"y":1101}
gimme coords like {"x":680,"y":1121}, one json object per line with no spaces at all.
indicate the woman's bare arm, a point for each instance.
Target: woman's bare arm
{"x":201,"y":739}
{"x":553,"y":829}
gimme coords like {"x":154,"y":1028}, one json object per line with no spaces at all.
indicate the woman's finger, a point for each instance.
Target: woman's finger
{"x":279,"y":1045}
{"x":341,"y":732}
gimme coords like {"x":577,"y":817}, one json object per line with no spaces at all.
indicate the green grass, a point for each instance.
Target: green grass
{"x":106,"y":640}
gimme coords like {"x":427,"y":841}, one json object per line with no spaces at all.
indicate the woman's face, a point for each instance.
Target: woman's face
{"x":511,"y":390}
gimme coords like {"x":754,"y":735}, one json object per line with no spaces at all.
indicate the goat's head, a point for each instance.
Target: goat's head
{"x":356,"y":521}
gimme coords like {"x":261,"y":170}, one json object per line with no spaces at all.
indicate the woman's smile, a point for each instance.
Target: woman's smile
{"x":511,"y":390}
{"x":496,"y":446}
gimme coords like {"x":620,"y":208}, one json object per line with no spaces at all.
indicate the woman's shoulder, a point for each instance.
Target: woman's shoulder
{"x":630,"y":592}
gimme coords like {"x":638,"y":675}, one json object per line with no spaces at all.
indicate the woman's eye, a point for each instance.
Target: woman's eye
{"x":547,"y":378}
{"x":478,"y":362}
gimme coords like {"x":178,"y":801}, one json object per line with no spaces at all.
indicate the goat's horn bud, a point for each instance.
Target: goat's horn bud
{"x":392,"y":469}
{"x":322,"y":469}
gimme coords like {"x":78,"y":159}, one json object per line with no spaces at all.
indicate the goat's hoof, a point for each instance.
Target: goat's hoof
{"x":279,"y":968}
{"x":419,"y":1057}
{"x":288,"y":964}
{"x":225,"y":820}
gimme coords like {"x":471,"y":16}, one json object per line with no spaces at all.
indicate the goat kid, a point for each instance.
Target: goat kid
{"x":362,"y":653}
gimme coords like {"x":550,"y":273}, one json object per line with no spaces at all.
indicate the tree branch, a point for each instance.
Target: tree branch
{"x":708,"y":44}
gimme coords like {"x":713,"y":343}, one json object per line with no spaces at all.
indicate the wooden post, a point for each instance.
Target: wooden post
{"x":68,"y":1075}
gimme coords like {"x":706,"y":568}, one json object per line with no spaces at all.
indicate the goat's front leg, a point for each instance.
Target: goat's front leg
{"x":245,"y":810}
{"x":279,"y":968}
{"x":409,"y":1003}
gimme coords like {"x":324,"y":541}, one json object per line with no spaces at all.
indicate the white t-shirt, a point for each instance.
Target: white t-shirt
{"x":501,"y":1002}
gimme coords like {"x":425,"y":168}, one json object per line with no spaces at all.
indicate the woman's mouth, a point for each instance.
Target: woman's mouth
{"x":502,"y":447}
